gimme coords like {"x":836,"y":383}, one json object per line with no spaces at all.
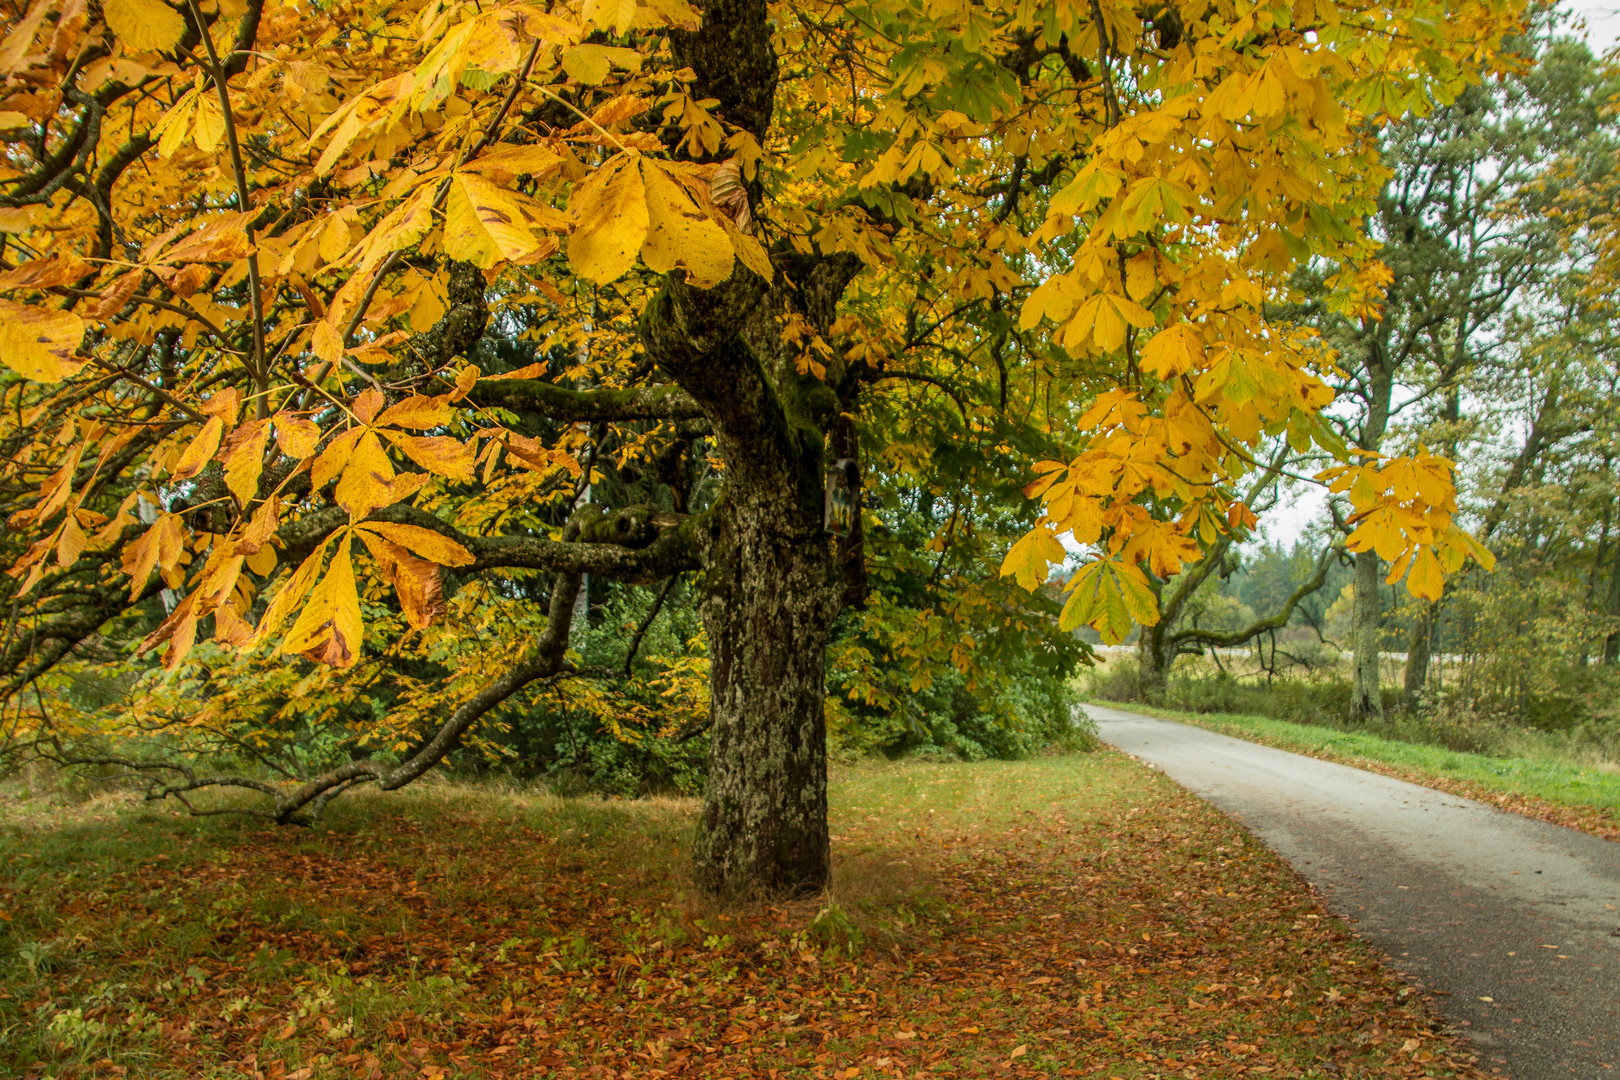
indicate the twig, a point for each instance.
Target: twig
{"x":641,"y":631}
{"x":243,"y":204}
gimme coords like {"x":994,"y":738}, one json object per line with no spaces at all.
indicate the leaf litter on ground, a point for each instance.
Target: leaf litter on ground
{"x":1064,"y":916}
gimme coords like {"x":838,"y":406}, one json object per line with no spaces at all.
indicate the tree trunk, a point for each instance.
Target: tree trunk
{"x":1366,"y":703}
{"x":1153,"y":665}
{"x":771,"y":596}
{"x":1417,"y":656}
{"x":1611,"y":644}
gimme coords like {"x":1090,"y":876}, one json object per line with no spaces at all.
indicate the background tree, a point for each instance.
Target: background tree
{"x":1464,"y":238}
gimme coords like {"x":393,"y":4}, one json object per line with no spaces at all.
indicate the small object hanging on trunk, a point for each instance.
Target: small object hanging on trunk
{"x":843,"y":500}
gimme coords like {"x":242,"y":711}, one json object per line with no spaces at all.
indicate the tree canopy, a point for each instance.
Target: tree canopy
{"x":358,"y":336}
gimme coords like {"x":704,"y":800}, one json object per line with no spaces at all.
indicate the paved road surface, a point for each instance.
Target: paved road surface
{"x":1513,"y":923}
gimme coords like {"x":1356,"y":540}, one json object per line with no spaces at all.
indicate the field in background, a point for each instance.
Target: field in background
{"x":1063,"y":916}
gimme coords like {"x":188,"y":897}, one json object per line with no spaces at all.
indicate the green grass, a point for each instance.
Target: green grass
{"x":1552,"y":781}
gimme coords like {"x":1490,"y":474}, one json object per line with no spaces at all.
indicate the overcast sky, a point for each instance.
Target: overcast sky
{"x":1602,"y":22}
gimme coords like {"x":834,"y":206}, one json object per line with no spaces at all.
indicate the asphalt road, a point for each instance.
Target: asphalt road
{"x":1512,"y":923}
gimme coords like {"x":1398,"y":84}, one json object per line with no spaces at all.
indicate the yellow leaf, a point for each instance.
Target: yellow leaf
{"x":334,"y":457}
{"x":1103,"y":319}
{"x":226,"y":405}
{"x":483,"y":224}
{"x":508,"y":159}
{"x":610,"y":212}
{"x":244,"y":459}
{"x":219,"y":576}
{"x":1482,"y":554}
{"x":1173,"y":351}
{"x":1140,"y":275}
{"x":141,"y":557}
{"x":1029,"y":557}
{"x":21,"y":37}
{"x":441,"y":455}
{"x":1049,"y":299}
{"x":208,"y":128}
{"x":145,"y":25}
{"x":1137,"y":593}
{"x":615,"y":15}
{"x":296,"y":435}
{"x":404,"y":226}
{"x":259,"y":530}
{"x":680,"y":233}
{"x":70,"y":545}
{"x":749,"y":250}
{"x":200,"y":451}
{"x":328,"y":630}
{"x":417,"y":411}
{"x":367,"y":482}
{"x":1425,"y":579}
{"x":262,"y":561}
{"x":424,"y":542}
{"x":327,"y":341}
{"x":38,"y":343}
{"x":290,"y":595}
{"x":590,"y":63}
{"x":174,"y":127}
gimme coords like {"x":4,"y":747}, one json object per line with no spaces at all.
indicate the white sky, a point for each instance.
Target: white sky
{"x":1602,"y":22}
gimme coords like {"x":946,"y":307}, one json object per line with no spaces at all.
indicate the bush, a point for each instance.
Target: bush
{"x":1028,"y":711}
{"x":641,"y":736}
{"x":1324,"y":699}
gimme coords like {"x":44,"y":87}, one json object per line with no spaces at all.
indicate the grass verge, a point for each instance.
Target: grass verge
{"x":1066,"y":916}
{"x":1580,"y":798}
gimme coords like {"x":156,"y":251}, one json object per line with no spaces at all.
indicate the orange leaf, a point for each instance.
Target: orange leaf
{"x":439,"y":454}
{"x":424,"y":542}
{"x":201,"y":450}
{"x":417,"y":581}
{"x":366,"y":405}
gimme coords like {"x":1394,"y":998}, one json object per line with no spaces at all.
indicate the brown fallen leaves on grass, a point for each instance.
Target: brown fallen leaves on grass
{"x":1074,"y":916}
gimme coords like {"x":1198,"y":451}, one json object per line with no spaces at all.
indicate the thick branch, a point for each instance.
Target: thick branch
{"x":1274,"y":621}
{"x":586,"y":406}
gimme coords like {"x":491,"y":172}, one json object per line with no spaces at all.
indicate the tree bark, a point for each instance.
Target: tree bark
{"x":773,"y":585}
{"x":1417,"y":656}
{"x":1153,"y":664}
{"x":1611,"y":644}
{"x":1366,"y":702}
{"x":772,"y":592}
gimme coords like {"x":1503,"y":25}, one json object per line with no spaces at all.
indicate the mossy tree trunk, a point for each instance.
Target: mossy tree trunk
{"x":773,"y":590}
